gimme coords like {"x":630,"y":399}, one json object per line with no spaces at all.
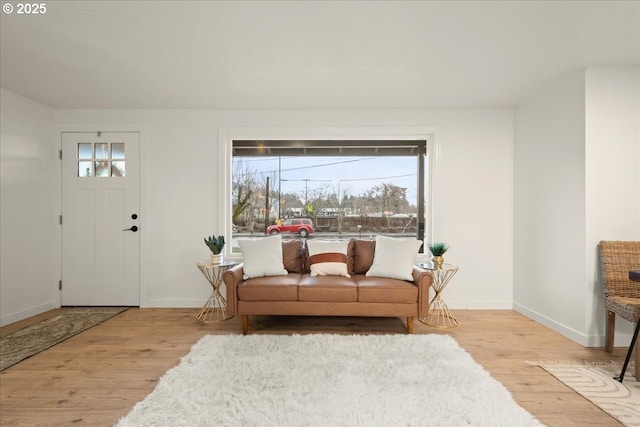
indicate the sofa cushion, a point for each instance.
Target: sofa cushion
{"x":380,"y":289}
{"x":328,"y":258}
{"x":272,"y":288}
{"x":360,"y":255}
{"x":327,"y":288}
{"x":394,"y":258}
{"x":262,"y":257}
{"x":292,"y":256}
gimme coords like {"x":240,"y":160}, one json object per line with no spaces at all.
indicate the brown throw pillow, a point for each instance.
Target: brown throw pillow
{"x":360,"y":256}
{"x":292,"y":256}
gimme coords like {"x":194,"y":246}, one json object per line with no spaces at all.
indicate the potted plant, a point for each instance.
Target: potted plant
{"x":438,"y":249}
{"x":215,"y":244}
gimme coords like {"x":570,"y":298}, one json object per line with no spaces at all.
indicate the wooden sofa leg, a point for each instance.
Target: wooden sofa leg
{"x":245,"y":324}
{"x":611,"y":327}
{"x":409,"y":325}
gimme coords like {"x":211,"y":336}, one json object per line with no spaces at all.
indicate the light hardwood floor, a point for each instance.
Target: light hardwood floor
{"x":95,"y":377}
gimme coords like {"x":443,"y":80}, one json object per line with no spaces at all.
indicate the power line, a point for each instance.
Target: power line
{"x":376,"y":178}
{"x":308,"y":179}
{"x":307,"y":167}
{"x":350,"y":179}
{"x":328,"y":164}
{"x":250,"y":159}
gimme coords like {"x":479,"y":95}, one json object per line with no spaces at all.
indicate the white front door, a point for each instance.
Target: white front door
{"x":100,"y":219}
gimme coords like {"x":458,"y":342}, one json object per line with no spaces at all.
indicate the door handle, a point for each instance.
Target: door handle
{"x":133,"y":228}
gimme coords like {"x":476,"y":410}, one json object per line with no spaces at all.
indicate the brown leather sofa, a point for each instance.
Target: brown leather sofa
{"x":300,"y":294}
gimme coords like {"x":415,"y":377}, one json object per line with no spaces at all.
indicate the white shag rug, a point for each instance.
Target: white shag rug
{"x":328,"y":380}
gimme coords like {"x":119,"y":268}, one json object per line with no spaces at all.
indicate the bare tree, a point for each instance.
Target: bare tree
{"x":317,"y":198}
{"x":388,"y":198}
{"x":245,"y":182}
{"x":340,"y":193}
{"x":249,"y":192}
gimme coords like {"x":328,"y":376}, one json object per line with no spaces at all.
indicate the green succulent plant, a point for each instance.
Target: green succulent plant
{"x":438,"y":249}
{"x":215,"y":244}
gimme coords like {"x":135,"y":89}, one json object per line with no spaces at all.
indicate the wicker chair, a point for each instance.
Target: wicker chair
{"x":622,"y":295}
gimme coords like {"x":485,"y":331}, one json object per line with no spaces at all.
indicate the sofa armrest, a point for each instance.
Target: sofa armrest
{"x":423,"y":279}
{"x":232,"y":278}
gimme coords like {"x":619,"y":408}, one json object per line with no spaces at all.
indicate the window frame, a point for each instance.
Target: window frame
{"x":225,"y":158}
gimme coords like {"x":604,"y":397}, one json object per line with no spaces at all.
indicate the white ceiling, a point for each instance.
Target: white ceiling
{"x":307,"y":54}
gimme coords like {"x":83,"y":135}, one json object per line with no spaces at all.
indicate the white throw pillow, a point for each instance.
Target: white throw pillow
{"x":328,"y":258}
{"x":262,"y":257}
{"x":393,"y":258}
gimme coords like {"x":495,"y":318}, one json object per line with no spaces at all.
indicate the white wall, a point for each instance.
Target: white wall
{"x":29,"y":201}
{"x":475,"y":206}
{"x":577,"y":157}
{"x":484,"y":181}
{"x":549,"y":203}
{"x":180,"y":200}
{"x":612,"y":143}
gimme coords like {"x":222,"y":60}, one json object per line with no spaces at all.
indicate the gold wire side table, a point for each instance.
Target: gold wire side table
{"x":439,"y":314}
{"x":215,"y":310}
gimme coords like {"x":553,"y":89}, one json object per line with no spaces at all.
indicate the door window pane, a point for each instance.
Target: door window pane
{"x":85,"y":169}
{"x":84,"y":151}
{"x":102,"y":151}
{"x":117,"y":168}
{"x":102,"y":168}
{"x":117,"y":151}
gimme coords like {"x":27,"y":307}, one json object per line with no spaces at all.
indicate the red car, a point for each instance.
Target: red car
{"x":301,"y":226}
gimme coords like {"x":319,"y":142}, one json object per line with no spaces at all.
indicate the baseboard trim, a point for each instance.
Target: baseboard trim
{"x":175,"y":303}
{"x":564,"y":330}
{"x":478,"y":305}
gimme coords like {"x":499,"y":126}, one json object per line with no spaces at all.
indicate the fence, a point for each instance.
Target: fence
{"x":366,"y":224}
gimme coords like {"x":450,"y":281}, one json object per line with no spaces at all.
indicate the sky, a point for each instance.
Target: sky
{"x":355,"y":175}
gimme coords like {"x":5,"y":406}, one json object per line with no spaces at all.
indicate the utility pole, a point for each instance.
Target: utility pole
{"x":266,"y":207}
{"x":306,"y":190}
